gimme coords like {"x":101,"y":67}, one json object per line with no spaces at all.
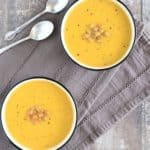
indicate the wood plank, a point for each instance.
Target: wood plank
{"x":146,"y":14}
{"x":3,"y":21}
{"x":146,"y":106}
{"x":146,"y":11}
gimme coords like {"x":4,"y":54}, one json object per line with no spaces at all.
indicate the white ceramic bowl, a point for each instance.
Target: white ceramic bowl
{"x":12,"y":139}
{"x":129,"y":14}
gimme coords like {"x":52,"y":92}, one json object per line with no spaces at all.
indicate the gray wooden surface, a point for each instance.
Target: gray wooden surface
{"x":133,"y":133}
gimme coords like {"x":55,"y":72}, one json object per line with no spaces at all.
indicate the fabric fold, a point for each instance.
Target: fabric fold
{"x":128,"y":88}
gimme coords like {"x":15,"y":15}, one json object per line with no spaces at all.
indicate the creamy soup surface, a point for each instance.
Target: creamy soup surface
{"x":39,"y":114}
{"x":97,"y":33}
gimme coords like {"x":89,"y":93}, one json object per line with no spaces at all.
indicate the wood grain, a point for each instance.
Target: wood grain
{"x":146,"y":105}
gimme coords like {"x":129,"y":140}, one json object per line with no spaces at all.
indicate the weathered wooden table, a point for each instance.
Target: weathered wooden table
{"x":133,"y":133}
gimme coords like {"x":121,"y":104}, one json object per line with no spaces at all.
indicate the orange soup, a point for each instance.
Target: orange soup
{"x":98,"y":34}
{"x":39,"y":114}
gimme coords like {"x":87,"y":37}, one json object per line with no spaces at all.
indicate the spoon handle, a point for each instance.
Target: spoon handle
{"x":11,"y":34}
{"x":4,"y":49}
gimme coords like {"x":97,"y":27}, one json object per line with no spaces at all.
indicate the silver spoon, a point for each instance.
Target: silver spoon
{"x":40,"y":31}
{"x":52,"y":6}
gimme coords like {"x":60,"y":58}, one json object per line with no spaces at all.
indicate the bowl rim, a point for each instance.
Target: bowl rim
{"x":120,"y":61}
{"x":12,"y":140}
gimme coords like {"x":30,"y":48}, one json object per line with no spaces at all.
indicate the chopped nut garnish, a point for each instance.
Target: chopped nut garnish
{"x":94,"y":32}
{"x":36,"y":114}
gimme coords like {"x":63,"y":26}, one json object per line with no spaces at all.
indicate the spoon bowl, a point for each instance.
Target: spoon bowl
{"x":56,"y":6}
{"x":41,"y":30}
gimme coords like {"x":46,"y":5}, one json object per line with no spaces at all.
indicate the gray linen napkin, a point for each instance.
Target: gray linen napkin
{"x":49,"y":59}
{"x":127,"y":89}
